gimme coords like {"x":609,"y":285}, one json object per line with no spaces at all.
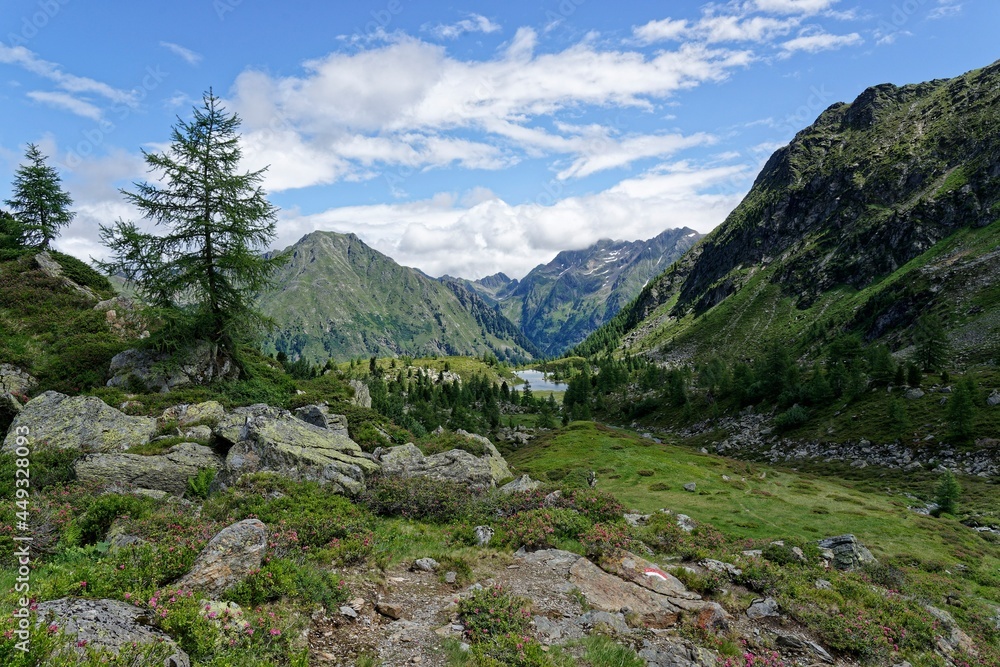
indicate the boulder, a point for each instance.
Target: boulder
{"x":606,"y":592}
{"x":274,"y":441}
{"x":640,"y":571}
{"x":678,"y":655}
{"x":498,"y":465}
{"x":994,"y":399}
{"x":85,"y":423}
{"x":951,"y":637}
{"x":166,"y":472}
{"x":720,"y":567}
{"x":690,"y":486}
{"x":52,"y":268}
{"x":362,"y":397}
{"x":763,"y":608}
{"x":109,"y":624}
{"x":848,"y":553}
{"x":162,"y":372}
{"x":209,"y":413}
{"x":522,"y":484}
{"x":483,"y":535}
{"x":319,"y":415}
{"x":914,"y":394}
{"x":123,"y":317}
{"x":229,"y":429}
{"x":229,"y":558}
{"x":425,"y":565}
{"x":454,"y":465}
{"x":13,"y":380}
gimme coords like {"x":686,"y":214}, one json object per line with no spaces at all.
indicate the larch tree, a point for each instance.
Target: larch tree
{"x":39,"y":204}
{"x":201,"y":272}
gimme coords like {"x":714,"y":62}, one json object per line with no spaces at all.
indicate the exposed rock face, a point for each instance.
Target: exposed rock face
{"x":85,"y":423}
{"x":763,"y":608}
{"x":319,"y":415}
{"x":848,"y":553}
{"x":204,"y":363}
{"x":454,"y":465}
{"x":13,"y":380}
{"x":51,"y":268}
{"x":625,"y":582}
{"x":228,"y":558}
{"x":122,"y":315}
{"x":519,"y":485}
{"x":167,"y":472}
{"x":362,"y":397}
{"x":498,"y":465}
{"x":209,"y":413}
{"x":272,"y":440}
{"x":679,"y":655}
{"x":107,"y":624}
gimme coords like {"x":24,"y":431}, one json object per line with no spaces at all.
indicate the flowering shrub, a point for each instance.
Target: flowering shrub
{"x":663,"y":535}
{"x":492,"y":612}
{"x":751,"y":659}
{"x":598,"y":506}
{"x":283,"y":578}
{"x":605,"y":539}
{"x":542,"y":528}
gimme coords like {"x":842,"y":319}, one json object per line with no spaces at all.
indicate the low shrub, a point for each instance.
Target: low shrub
{"x":418,"y":498}
{"x":102,"y":512}
{"x":593,"y":504}
{"x":493,"y":612}
{"x":606,"y":539}
{"x":543,"y":528}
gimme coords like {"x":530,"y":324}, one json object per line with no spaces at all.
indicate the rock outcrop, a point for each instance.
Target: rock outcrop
{"x":273,"y":440}
{"x":319,"y":415}
{"x":202,"y":364}
{"x":85,"y":423}
{"x":229,"y":558}
{"x":628,"y":581}
{"x":455,"y":465}
{"x":167,"y":472}
{"x":848,"y":553}
{"x":109,"y":624}
{"x":14,"y":380}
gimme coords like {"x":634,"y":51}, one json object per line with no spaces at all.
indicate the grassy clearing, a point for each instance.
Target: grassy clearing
{"x":757,"y":501}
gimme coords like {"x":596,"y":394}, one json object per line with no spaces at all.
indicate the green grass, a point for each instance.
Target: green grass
{"x":759,"y":502}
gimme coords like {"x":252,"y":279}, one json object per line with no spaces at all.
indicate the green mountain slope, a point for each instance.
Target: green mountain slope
{"x":883,"y":209}
{"x":337,"y":297}
{"x":558,"y":304}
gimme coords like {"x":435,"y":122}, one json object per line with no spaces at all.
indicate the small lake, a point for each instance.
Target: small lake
{"x":540,"y":381}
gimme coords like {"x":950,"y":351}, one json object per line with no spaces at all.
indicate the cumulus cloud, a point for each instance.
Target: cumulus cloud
{"x":793,"y":6}
{"x":340,"y":120}
{"x":479,"y":234}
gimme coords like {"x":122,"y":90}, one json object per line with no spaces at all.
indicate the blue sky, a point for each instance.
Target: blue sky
{"x":462,"y":139}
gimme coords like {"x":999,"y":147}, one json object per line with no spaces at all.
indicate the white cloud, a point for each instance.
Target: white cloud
{"x":66,"y":102}
{"x":186,"y":54}
{"x":660,"y":31}
{"x":820,"y":41}
{"x":945,"y":9}
{"x":474,"y":23}
{"x":793,"y":6}
{"x":340,"y":121}
{"x":479,"y":234}
{"x":19,"y":55}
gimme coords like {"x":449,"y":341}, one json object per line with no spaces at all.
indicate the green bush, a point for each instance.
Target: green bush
{"x":595,"y":505}
{"x":50,"y":466}
{"x":418,"y":498}
{"x":102,"y":512}
{"x":282,"y":578}
{"x":492,"y":612}
{"x":80,"y":273}
{"x":791,"y":418}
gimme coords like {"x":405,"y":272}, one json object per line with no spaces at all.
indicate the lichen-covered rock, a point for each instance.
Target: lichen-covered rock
{"x":208,"y":413}
{"x":520,"y":485}
{"x":166,"y":472}
{"x":123,"y":317}
{"x":109,"y":624}
{"x":455,"y":465}
{"x":848,"y":553}
{"x":362,"y":397}
{"x":13,"y":380}
{"x":763,"y":608}
{"x":319,"y":415}
{"x":272,"y":440}
{"x":85,"y":423}
{"x":229,"y":558}
{"x":202,"y":364}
